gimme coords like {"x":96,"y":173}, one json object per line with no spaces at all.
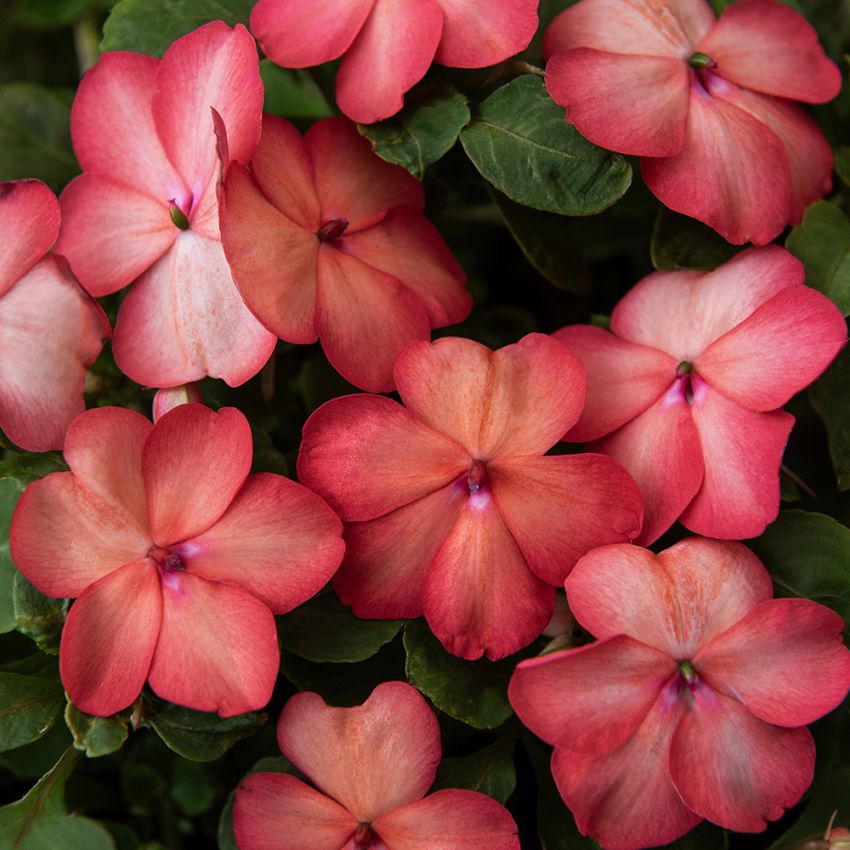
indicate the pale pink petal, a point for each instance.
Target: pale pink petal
{"x":50,"y":331}
{"x":171,"y":397}
{"x":449,"y":820}
{"x":675,"y":601}
{"x":590,"y":699}
{"x":185,"y":319}
{"x":518,"y":400}
{"x":194,"y":463}
{"x":476,"y":36}
{"x":734,"y":769}
{"x":276,"y":540}
{"x":364,"y":319}
{"x":112,"y":233}
{"x":217,"y":649}
{"x":371,"y":758}
{"x":29,"y":225}
{"x":626,"y":799}
{"x":623,"y":379}
{"x":480,"y":596}
{"x":785,"y":661}
{"x":109,"y":638}
{"x":390,"y":55}
{"x":559,"y":508}
{"x":766,"y":46}
{"x":271,"y":805}
{"x":387,"y":559}
{"x":600,"y":91}
{"x":301,"y":33}
{"x":367,"y":456}
{"x":742,"y":451}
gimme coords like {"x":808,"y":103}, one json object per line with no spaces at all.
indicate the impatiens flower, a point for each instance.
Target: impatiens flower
{"x":707,"y":103}
{"x":685,"y":391}
{"x":692,"y":703}
{"x":373,"y":765}
{"x":179,"y":558}
{"x":50,"y":329}
{"x":451,"y":508}
{"x":388,"y":45}
{"x":327,"y":240}
{"x":145,"y":207}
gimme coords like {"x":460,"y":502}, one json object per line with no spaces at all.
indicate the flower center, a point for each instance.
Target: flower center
{"x":169,"y":561}
{"x":364,"y":836}
{"x":688,"y":673}
{"x":332,"y":229}
{"x":178,"y":216}
{"x":701,"y":60}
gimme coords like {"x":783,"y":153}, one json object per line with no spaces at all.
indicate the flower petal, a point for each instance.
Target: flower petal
{"x":109,"y":638}
{"x":371,"y":758}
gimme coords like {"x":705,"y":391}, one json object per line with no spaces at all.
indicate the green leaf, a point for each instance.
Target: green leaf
{"x":831,"y":792}
{"x":520,"y":142}
{"x":323,"y":629}
{"x":192,"y":787}
{"x":26,"y":467}
{"x":150,"y":26}
{"x":200,"y":736}
{"x":292,"y":94}
{"x":822,"y":242}
{"x":97,"y":736}
{"x":35,"y":134}
{"x":681,"y":242}
{"x":829,"y":398}
{"x":29,"y":706}
{"x":38,"y":616}
{"x":10,"y":491}
{"x":48,"y":14}
{"x":842,"y":164}
{"x":266,"y":457}
{"x":474,"y":692}
{"x":490,"y":771}
{"x":40,"y":821}
{"x":423,"y":132}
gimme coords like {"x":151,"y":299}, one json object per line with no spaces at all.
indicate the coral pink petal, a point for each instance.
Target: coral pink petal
{"x":594,"y":498}
{"x":480,"y":596}
{"x":733,"y":172}
{"x":766,"y":46}
{"x":734,"y":769}
{"x":112,"y":233}
{"x":29,"y":225}
{"x":302,"y":33}
{"x":676,"y":601}
{"x":408,"y":247}
{"x":590,"y":699}
{"x":599,"y":91}
{"x":371,"y":758}
{"x":364,"y":319}
{"x":660,"y":449}
{"x":474,"y":37}
{"x":277,"y":540}
{"x":389,"y":56}
{"x":777,"y":351}
{"x":625,"y":799}
{"x":683,"y":312}
{"x":217,"y":650}
{"x":742,"y":450}
{"x":109,"y":639}
{"x":185,"y":319}
{"x":785,"y":661}
{"x":623,"y":379}
{"x":273,"y":260}
{"x":518,"y":400}
{"x":387,"y":559}
{"x":449,"y":820}
{"x":353,"y":183}
{"x":50,"y":331}
{"x":367,"y":456}
{"x":270,"y":805}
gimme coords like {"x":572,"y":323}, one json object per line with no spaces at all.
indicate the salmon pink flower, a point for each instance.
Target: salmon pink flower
{"x":50,"y":329}
{"x":693,"y":702}
{"x":685,"y":391}
{"x":451,"y":508}
{"x":707,"y":103}
{"x":179,"y":558}
{"x":327,"y":240}
{"x":145,"y":208}
{"x":373,"y":765}
{"x":387,"y":45}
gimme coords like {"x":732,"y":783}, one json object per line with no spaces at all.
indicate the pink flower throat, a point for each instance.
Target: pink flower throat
{"x":169,"y":561}
{"x":332,"y":229}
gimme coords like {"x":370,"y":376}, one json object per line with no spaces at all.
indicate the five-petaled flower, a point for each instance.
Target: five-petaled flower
{"x":178,"y":557}
{"x":693,"y":702}
{"x":373,"y":765}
